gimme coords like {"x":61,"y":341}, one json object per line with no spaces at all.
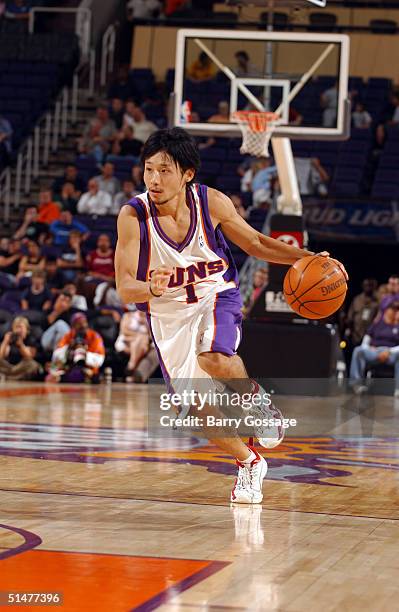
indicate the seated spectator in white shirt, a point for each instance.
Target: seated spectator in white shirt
{"x":361,"y":119}
{"x":312,"y":177}
{"x":135,"y":117}
{"x":107,"y":181}
{"x":128,"y":192}
{"x":329,"y":102}
{"x":94,"y":201}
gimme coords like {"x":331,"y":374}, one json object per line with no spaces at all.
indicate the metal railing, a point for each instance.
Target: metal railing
{"x":5,"y":193}
{"x":83,"y":23}
{"x":107,"y":53}
{"x":35,"y":152}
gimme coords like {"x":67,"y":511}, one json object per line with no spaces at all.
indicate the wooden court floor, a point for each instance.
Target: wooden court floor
{"x":116,"y":520}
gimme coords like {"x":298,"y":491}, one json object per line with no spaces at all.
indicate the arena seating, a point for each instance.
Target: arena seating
{"x":28,"y":81}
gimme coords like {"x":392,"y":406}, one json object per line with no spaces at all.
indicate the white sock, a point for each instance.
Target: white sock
{"x":249,"y":459}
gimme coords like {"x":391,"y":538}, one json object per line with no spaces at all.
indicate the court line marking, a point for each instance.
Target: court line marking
{"x":193,"y":503}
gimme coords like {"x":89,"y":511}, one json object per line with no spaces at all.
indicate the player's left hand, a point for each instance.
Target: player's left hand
{"x":339,"y":264}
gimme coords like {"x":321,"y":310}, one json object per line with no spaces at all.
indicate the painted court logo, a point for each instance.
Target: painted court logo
{"x":314,"y":460}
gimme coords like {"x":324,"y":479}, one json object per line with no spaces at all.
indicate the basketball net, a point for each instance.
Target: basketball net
{"x":257,"y":129}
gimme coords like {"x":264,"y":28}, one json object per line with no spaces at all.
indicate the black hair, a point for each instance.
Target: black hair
{"x":178,"y":144}
{"x":203,"y":57}
{"x":242,"y":54}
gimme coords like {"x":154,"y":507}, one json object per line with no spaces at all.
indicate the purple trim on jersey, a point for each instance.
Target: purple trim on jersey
{"x":227,"y":319}
{"x":191,"y":230}
{"x":165,"y":373}
{"x":145,"y":247}
{"x":215,"y":237}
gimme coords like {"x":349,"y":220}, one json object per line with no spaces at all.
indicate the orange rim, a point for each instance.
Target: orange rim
{"x":256,"y":121}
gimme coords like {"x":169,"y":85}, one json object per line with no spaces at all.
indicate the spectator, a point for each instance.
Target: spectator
{"x":223,"y":115}
{"x":126,"y":145}
{"x":107,"y":181}
{"x":38,"y":296}
{"x":31,"y":227}
{"x":79,"y":354}
{"x":122,"y":88}
{"x":79,"y":302}
{"x":258,"y":180}
{"x":143,"y":9}
{"x":243,"y":67}
{"x":54,"y":276}
{"x":32,"y":261}
{"x":362,"y":312}
{"x":98,"y":135}
{"x":392,"y":121}
{"x":329,"y":102}
{"x":63,"y":227}
{"x":4,"y":244}
{"x":94,"y":201}
{"x":128,"y":192}
{"x":202,"y":69}
{"x":117,"y":112}
{"x":259,"y":283}
{"x":379,"y":345}
{"x":58,"y":321}
{"x":389,"y":293}
{"x":9,"y":264}
{"x":312,"y":177}
{"x":6,"y":132}
{"x":100,"y":262}
{"x":17,"y":352}
{"x":294,"y":118}
{"x":133,"y":339}
{"x":135,"y":117}
{"x":238,"y":205}
{"x":70,"y":260}
{"x":17,"y":10}
{"x":173,"y":6}
{"x":68,"y":198}
{"x":361,"y":119}
{"x":71,"y":175}
{"x":49,"y":211}
{"x":138,"y":178}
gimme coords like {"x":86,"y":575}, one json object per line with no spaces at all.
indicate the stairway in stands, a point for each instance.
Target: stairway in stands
{"x":65,"y":154}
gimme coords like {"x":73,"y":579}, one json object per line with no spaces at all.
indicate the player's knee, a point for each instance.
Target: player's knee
{"x":214,"y":364}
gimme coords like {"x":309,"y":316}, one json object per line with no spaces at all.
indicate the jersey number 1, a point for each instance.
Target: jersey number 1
{"x":191,"y":297}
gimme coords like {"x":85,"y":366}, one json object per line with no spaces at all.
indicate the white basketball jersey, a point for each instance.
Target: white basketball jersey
{"x":202,"y":263}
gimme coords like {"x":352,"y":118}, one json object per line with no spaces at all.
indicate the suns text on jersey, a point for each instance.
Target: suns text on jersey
{"x":197,"y":271}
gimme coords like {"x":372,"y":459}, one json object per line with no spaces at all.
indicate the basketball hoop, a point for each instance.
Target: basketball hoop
{"x":257,"y":129}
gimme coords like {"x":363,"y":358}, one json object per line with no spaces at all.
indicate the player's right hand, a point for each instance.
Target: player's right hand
{"x":160,"y":280}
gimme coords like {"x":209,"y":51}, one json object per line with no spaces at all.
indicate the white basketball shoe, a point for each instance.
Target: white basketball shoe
{"x":248,"y":485}
{"x":268,"y":436}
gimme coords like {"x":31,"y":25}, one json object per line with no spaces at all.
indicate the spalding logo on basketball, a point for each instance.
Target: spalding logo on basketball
{"x":289,"y":239}
{"x":315,"y":287}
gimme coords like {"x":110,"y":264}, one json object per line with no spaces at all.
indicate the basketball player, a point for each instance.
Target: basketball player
{"x":173,"y":261}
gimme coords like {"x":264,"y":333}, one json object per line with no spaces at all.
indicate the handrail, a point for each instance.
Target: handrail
{"x":49,"y":130}
{"x":107,"y":53}
{"x":5,"y":193}
{"x":83,"y":23}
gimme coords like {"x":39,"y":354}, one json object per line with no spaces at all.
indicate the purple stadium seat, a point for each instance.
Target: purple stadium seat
{"x":389,"y":161}
{"x":228,"y":183}
{"x":385,"y":191}
{"x":210,"y":167}
{"x":346,"y":188}
{"x":213,"y":154}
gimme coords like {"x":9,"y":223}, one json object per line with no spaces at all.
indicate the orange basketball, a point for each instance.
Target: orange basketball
{"x":315,"y":287}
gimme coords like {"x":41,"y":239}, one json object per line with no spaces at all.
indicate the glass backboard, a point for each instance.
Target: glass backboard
{"x":302,"y":76}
